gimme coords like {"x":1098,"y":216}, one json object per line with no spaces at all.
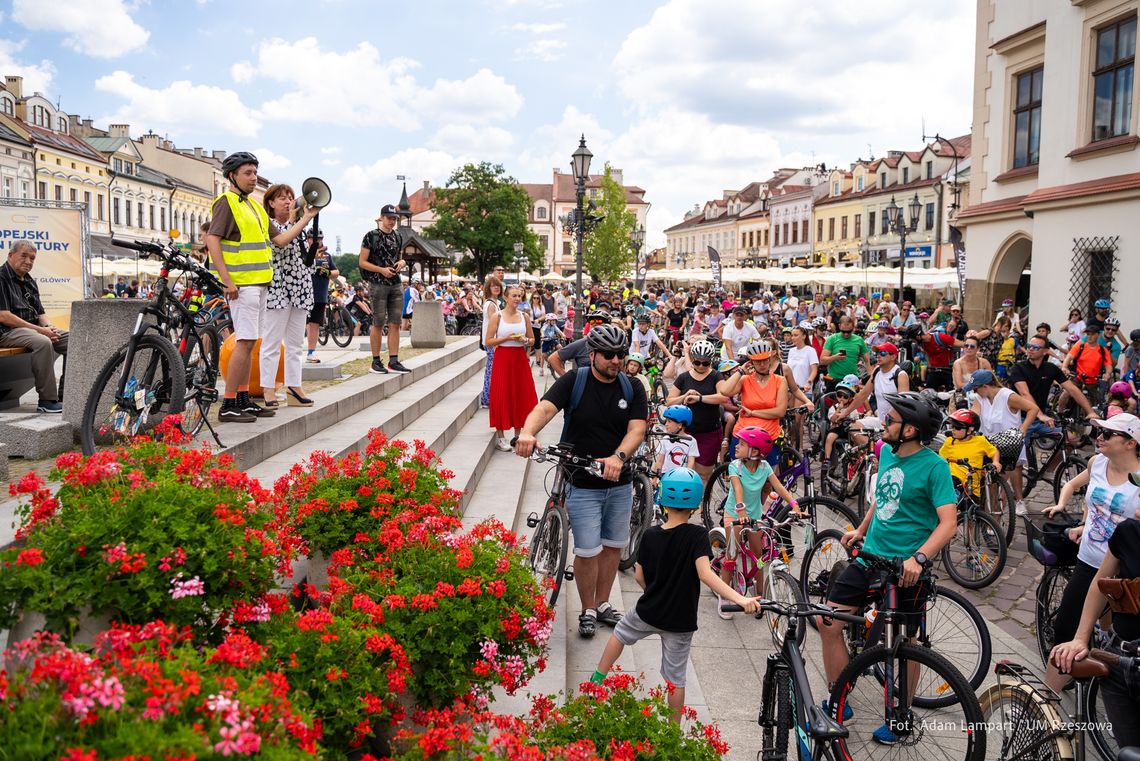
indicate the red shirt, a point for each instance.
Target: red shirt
{"x":937,"y":356}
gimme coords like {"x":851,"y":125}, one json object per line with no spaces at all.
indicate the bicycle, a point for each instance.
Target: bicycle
{"x":950,"y":624}
{"x":1063,"y":463}
{"x":1030,"y":721}
{"x":786,"y":699}
{"x":1052,"y":549}
{"x":550,"y":544}
{"x":150,"y":378}
{"x":643,"y":513}
{"x":887,"y":682}
{"x":851,"y":474}
{"x":338,"y":326}
{"x":976,"y":555}
{"x":779,"y":584}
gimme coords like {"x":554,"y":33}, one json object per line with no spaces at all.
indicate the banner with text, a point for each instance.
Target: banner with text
{"x":57,"y":235}
{"x":714,"y":264}
{"x":959,"y":261}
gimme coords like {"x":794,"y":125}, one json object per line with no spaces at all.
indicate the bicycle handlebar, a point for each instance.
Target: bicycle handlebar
{"x":989,"y":466}
{"x":146,"y":248}
{"x":559,"y":453}
{"x":174,"y":259}
{"x":797,"y":610}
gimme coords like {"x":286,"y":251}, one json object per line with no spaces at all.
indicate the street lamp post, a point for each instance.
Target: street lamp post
{"x":520,"y":260}
{"x":901,"y":227}
{"x":636,"y":241}
{"x":682,"y":259}
{"x":580,"y":163}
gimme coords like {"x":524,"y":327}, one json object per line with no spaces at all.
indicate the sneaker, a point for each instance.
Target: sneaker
{"x":587,"y":624}
{"x":607,"y":615}
{"x":539,"y":372}
{"x":847,"y":712}
{"x":378,"y":367}
{"x":234,"y":414}
{"x":1020,"y":508}
{"x":503,"y":445}
{"x":396,"y":365}
{"x":720,"y":609}
{"x":50,"y":406}
{"x":884,"y":736}
{"x":251,"y":407}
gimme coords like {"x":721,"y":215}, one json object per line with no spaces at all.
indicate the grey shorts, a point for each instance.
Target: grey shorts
{"x":674,"y":645}
{"x":387,"y":303}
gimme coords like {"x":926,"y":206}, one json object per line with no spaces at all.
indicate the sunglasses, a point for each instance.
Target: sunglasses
{"x":1110,"y":330}
{"x":1106,"y":435}
{"x":883,"y":354}
{"x":612,"y":355}
{"x":701,"y":363}
{"x":892,"y":421}
{"x":970,"y":346}
{"x":1035,"y":347}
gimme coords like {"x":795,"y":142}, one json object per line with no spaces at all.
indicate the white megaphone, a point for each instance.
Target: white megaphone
{"x":315,"y":192}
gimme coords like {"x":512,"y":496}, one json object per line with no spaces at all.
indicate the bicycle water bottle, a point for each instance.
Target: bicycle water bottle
{"x":870,"y":616}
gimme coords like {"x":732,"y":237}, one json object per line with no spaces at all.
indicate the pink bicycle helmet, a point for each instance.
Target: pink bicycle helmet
{"x":757,"y":438}
{"x":1122,"y":388}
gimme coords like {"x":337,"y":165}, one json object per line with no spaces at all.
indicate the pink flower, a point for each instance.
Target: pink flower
{"x":489,"y":649}
{"x":106,"y":692}
{"x":189,"y":588}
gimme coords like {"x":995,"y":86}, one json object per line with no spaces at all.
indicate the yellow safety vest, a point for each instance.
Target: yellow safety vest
{"x":249,"y":260}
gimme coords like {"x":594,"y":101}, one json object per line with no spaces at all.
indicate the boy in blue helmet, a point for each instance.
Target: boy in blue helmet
{"x":672,"y":561}
{"x":678,"y":449}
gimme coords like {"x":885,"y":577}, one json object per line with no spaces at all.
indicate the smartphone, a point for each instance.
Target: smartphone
{"x":843,"y":352}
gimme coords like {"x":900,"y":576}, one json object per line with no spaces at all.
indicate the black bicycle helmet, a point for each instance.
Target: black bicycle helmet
{"x":607,"y":337}
{"x":917,"y":410}
{"x":237,"y":160}
{"x":1134,"y":335}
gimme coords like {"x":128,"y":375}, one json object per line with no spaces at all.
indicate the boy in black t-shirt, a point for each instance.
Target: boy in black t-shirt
{"x":672,"y":562}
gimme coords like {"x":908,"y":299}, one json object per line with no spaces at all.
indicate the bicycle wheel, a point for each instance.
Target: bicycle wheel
{"x":200,"y":355}
{"x":875,"y":707}
{"x":817,"y":565}
{"x":472,"y":329}
{"x":999,"y":503}
{"x":156,"y":387}
{"x":548,"y":548}
{"x":956,"y":631}
{"x":716,"y":492}
{"x":975,"y":556}
{"x":323,"y":333}
{"x":640,"y":519}
{"x":832,"y":478}
{"x":341,"y":328}
{"x":1098,"y":724}
{"x":775,"y":737}
{"x":1047,"y":603}
{"x":1020,"y":720}
{"x":658,"y":392}
{"x":781,"y":586}
{"x":1066,"y":472}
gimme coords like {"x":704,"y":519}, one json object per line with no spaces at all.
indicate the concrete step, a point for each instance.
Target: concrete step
{"x":391,"y":415}
{"x":468,"y":454}
{"x":332,"y":359}
{"x":34,"y":435}
{"x":439,"y":426}
{"x":253,"y":443}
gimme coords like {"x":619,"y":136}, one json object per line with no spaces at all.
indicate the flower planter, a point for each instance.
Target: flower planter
{"x":31,"y":622}
{"x":313,"y":569}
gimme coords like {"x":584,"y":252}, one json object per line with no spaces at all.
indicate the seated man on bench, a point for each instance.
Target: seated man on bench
{"x":24,"y":325}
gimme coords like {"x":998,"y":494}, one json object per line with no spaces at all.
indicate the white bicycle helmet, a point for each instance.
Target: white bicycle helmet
{"x":702,"y":349}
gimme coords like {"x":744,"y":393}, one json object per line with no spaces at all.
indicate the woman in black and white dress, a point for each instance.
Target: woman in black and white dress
{"x":290,"y":298}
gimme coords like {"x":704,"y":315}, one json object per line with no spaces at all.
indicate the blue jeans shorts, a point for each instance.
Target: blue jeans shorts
{"x":599,"y":518}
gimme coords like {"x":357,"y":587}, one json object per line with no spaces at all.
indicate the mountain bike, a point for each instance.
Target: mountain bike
{"x":150,"y":377}
{"x":851,"y":473}
{"x":643,"y":513}
{"x":338,"y":326}
{"x":551,"y":541}
{"x":975,"y":556}
{"x":950,"y":624}
{"x":1049,"y":546}
{"x":778,"y":584}
{"x":1062,"y":462}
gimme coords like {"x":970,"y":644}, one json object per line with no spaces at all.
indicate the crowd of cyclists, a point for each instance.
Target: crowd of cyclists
{"x":746,"y":379}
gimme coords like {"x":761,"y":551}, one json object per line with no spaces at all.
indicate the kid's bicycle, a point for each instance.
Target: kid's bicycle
{"x":975,"y":556}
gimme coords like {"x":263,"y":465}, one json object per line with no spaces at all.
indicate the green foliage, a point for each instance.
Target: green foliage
{"x":349,"y":266}
{"x":606,"y":251}
{"x":483,"y":211}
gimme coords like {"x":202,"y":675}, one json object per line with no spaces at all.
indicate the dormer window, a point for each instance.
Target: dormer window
{"x":859,"y":183}
{"x":540,"y":212}
{"x":835,"y":188}
{"x":883,"y":180}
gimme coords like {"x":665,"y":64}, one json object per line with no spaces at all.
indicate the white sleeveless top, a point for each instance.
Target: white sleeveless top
{"x":1108,"y":507}
{"x":997,"y":415}
{"x":510,"y":328}
{"x":885,"y":385}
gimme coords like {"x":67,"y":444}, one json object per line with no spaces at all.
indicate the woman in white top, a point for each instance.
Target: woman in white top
{"x":803,"y":360}
{"x":1110,"y":499}
{"x":492,"y":300}
{"x":999,"y":409}
{"x":512,"y":394}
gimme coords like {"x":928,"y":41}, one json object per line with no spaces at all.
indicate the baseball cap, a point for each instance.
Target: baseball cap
{"x":1125,"y":422}
{"x":979,"y":378}
{"x":389,"y":210}
{"x":888,"y":347}
{"x":1007,"y":302}
{"x":1094,"y":326}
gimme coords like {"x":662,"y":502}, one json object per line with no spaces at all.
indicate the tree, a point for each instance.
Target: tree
{"x":484,"y":212}
{"x":606,"y":252}
{"x":349,"y":266}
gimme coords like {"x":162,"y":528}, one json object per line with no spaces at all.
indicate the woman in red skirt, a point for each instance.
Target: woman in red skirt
{"x":512,"y":394}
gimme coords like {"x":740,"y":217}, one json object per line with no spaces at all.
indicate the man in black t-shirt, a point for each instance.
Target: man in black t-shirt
{"x":1033,"y":377}
{"x":380,"y":265}
{"x":605,"y":426}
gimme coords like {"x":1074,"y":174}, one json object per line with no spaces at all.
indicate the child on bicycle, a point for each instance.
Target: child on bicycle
{"x":634,"y":364}
{"x":678,"y":449}
{"x":845,"y":391}
{"x":1120,"y":399}
{"x":749,"y":476}
{"x":551,"y":335}
{"x":672,"y":562}
{"x":965,"y":443}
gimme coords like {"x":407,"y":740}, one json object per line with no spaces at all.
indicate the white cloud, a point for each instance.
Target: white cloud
{"x":482,"y":97}
{"x":99,"y":28}
{"x":538,"y":28}
{"x":380,"y":176}
{"x":330,"y":162}
{"x":553,"y":143}
{"x":37,"y":77}
{"x":331,"y":150}
{"x":270,"y":161}
{"x":179,"y":108}
{"x":473,"y":143}
{"x":542,"y":50}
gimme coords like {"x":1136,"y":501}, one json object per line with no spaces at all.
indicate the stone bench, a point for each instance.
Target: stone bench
{"x":16,"y":377}
{"x":427,"y":325}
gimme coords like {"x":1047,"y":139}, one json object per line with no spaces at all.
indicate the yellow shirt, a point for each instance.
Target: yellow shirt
{"x":971,"y":450}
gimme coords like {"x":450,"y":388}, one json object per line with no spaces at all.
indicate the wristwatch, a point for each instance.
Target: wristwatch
{"x":922,"y":559}
{"x":621,"y":455}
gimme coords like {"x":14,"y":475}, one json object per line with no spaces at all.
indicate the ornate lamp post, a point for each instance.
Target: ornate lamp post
{"x":520,"y":260}
{"x":682,"y":259}
{"x":901,"y":227}
{"x":636,"y":241}
{"x":580,"y":163}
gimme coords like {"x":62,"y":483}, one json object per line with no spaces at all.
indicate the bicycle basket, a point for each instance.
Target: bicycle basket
{"x":1049,"y":543}
{"x":1008,"y":444}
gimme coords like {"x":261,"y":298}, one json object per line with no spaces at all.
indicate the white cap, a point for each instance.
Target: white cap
{"x":1125,"y":422}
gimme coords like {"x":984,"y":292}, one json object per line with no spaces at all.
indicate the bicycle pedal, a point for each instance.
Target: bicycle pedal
{"x":569,"y":573}
{"x":532,"y":520}
{"x":208,"y":395}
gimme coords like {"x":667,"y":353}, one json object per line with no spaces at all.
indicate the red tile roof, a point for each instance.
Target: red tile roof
{"x":1014,"y":203}
{"x":67,"y":143}
{"x":1091,"y":187}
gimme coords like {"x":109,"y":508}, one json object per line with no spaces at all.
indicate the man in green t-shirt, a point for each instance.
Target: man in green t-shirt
{"x":844,"y":353}
{"x":914,"y":515}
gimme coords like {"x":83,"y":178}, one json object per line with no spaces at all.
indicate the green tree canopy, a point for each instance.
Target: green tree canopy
{"x":348,"y":265}
{"x":606,"y":251}
{"x":484,"y":211}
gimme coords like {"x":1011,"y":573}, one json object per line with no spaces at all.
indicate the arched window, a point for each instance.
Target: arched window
{"x":540,"y":212}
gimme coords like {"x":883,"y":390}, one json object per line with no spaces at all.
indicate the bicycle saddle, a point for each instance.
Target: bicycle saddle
{"x":1089,"y":668}
{"x":1129,"y":754}
{"x":823,"y":727}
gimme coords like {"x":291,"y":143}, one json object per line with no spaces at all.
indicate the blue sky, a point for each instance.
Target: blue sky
{"x":688,"y":97}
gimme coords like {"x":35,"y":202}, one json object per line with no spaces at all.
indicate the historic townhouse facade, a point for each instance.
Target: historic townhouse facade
{"x":790,"y":210}
{"x":17,"y":170}
{"x":1056,"y":175}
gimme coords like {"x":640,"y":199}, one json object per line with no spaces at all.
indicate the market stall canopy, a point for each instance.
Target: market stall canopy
{"x":858,"y":277}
